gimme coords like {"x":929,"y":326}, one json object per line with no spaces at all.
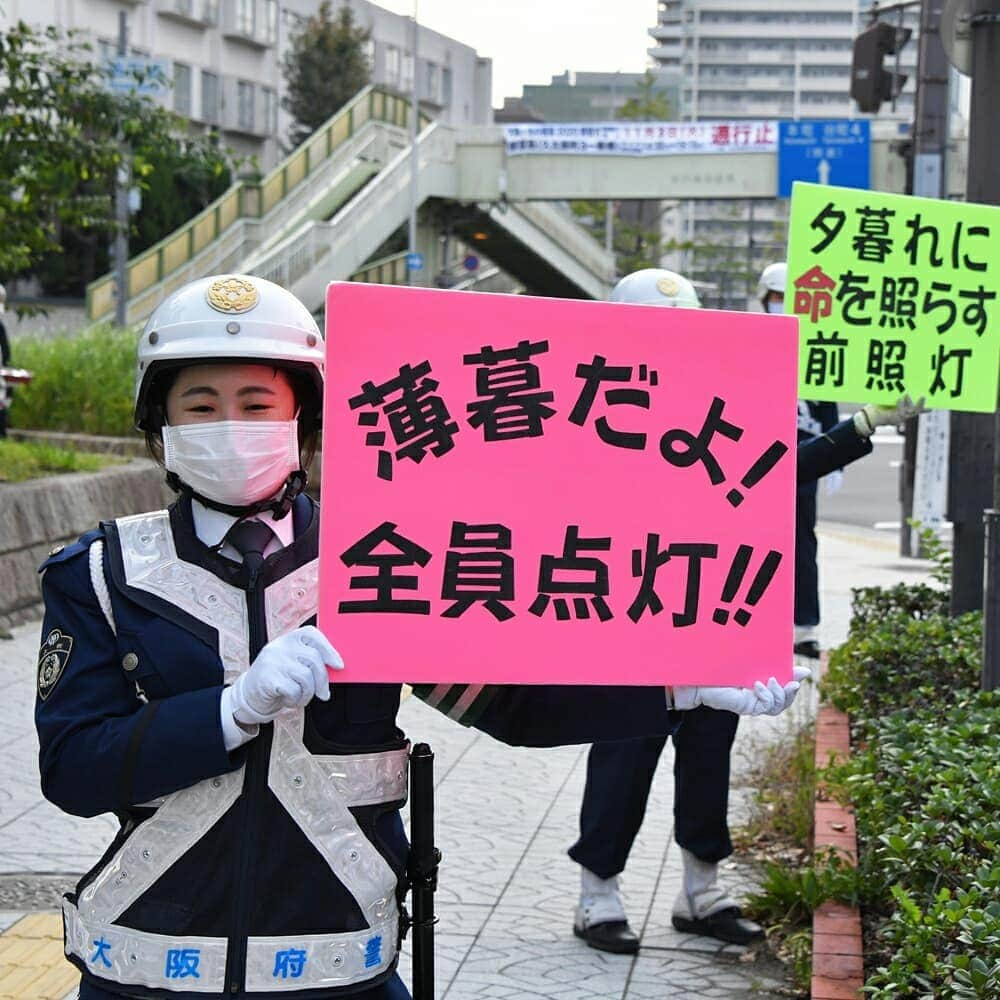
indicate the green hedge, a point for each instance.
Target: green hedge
{"x":924,"y":781}
{"x":82,"y":383}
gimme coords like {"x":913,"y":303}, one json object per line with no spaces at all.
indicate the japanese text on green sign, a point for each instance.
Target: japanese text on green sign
{"x":894,"y":294}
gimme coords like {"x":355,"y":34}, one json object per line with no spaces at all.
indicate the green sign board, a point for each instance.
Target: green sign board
{"x":895,"y":294}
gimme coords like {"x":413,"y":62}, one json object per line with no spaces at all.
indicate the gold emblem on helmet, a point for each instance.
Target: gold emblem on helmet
{"x":668,"y":287}
{"x":232,"y":295}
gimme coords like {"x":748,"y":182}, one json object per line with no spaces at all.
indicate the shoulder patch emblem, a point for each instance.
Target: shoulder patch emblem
{"x":52,"y":660}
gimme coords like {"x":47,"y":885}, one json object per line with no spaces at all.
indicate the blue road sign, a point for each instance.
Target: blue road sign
{"x":137,"y":75}
{"x":414,"y":262}
{"x":824,"y":152}
{"x":471,"y":262}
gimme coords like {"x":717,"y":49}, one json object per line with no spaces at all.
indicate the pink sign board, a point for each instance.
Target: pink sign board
{"x":527,"y":490}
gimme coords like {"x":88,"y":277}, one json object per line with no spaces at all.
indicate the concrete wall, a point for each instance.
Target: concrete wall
{"x":42,"y":513}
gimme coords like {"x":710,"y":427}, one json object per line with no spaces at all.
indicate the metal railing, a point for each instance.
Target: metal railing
{"x":389,"y":270}
{"x":349,"y":229}
{"x":249,"y":200}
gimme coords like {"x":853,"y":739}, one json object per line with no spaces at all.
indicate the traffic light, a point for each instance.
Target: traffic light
{"x":871,"y":84}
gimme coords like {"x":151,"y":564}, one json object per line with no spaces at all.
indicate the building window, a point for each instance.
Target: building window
{"x":209,"y":97}
{"x":368,"y":48}
{"x":244,"y":106}
{"x":271,"y":22}
{"x":270,"y":110}
{"x":185,"y":7}
{"x":182,"y":89}
{"x":246,"y":17}
{"x":210,"y":11}
{"x":407,"y":81}
{"x":430,"y":85}
{"x":392,"y":65}
{"x":446,"y":86}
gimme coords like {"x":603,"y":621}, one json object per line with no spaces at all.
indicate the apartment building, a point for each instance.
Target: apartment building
{"x":745,"y":59}
{"x":224,"y":59}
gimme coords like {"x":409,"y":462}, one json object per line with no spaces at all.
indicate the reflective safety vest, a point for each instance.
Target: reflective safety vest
{"x":231,"y":886}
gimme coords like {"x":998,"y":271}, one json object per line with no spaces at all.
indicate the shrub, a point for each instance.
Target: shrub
{"x":902,"y":650}
{"x":82,"y":383}
{"x":924,"y":781}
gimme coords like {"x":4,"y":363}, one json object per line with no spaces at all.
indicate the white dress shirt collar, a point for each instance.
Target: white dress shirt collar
{"x":211,"y":526}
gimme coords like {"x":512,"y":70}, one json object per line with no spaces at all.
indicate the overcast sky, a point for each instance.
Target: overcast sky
{"x":530,"y":40}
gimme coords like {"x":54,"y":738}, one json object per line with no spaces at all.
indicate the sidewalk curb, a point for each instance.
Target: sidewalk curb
{"x":838,"y":963}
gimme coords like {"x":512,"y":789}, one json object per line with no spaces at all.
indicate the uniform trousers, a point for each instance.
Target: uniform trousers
{"x":619,"y":777}
{"x":806,"y":569}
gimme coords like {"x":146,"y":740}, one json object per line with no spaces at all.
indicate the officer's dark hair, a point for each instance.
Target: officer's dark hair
{"x":302,"y":386}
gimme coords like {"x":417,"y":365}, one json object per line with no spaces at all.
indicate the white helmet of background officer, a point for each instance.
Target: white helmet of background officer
{"x":771,"y":288}
{"x":230,"y":319}
{"x":656,"y":286}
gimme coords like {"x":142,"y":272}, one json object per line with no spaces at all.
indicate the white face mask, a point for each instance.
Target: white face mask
{"x":235,"y":462}
{"x":775,"y":307}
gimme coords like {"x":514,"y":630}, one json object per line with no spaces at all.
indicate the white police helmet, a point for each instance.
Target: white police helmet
{"x":656,"y":286}
{"x":773,"y":279}
{"x":230,"y":318}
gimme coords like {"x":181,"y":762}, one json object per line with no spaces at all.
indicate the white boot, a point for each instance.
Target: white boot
{"x":704,"y":907}
{"x":600,"y":915}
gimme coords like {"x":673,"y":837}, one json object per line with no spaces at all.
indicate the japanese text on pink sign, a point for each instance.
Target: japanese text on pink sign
{"x":521,"y":490}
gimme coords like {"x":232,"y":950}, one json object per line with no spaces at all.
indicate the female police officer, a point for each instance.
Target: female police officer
{"x":260,"y":850}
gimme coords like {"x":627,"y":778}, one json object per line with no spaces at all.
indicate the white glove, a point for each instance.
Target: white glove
{"x":871,"y":416}
{"x":288,"y":673}
{"x":765,"y":699}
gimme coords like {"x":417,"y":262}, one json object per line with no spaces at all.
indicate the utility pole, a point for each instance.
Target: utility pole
{"x":121,"y":202}
{"x":971,"y":476}
{"x":984,"y":187}
{"x":414,"y":158}
{"x":930,"y":144}
{"x":609,"y":208}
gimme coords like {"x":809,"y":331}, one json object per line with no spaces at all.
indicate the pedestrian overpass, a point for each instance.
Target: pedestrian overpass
{"x":330,"y":210}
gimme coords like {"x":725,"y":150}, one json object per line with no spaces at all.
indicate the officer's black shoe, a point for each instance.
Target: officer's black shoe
{"x":727,"y":925}
{"x":808,"y":648}
{"x":614,"y":935}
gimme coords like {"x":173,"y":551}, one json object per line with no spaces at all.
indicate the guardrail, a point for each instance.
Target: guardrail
{"x":249,"y":199}
{"x":389,"y":270}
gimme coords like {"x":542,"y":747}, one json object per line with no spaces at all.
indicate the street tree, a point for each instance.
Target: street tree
{"x":324,"y":68}
{"x":63,"y":137}
{"x":636,"y":238}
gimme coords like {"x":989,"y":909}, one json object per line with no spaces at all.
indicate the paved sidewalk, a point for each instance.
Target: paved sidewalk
{"x":504,"y":819}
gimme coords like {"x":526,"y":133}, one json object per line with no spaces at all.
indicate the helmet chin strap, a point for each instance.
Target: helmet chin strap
{"x":294,"y":485}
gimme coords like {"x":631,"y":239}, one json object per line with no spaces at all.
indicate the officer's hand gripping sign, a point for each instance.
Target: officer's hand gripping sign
{"x":895,"y":295}
{"x":523,"y":490}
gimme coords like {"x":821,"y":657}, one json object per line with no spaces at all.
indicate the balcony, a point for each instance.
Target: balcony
{"x":196,"y":13}
{"x":743,"y":107}
{"x":776,"y":29}
{"x":666,"y":53}
{"x":247,"y":21}
{"x":668,"y":32}
{"x":746,"y":81}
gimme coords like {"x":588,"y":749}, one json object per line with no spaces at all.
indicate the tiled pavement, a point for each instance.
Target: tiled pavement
{"x":504,"y":820}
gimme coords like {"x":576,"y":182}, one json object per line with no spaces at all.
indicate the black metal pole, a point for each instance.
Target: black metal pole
{"x":972,"y":450}
{"x":926,"y":179}
{"x":423,"y":868}
{"x":984,"y":187}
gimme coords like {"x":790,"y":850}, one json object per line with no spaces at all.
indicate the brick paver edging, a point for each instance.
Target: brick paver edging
{"x":838,"y":965}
